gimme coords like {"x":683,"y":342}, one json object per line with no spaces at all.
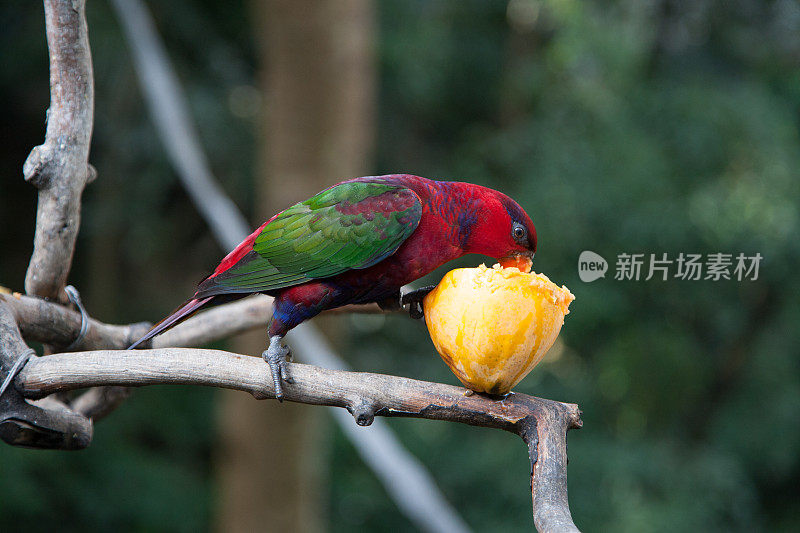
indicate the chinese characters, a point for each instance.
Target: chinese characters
{"x":688,"y":266}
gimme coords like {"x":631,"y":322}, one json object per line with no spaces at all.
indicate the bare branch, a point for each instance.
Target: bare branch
{"x":364,"y":394}
{"x":545,"y":433}
{"x":47,"y":322}
{"x":59,"y":168}
{"x":543,"y":424}
{"x":53,"y":324}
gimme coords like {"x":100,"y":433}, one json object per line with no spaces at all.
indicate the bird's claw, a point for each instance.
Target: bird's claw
{"x":413,"y":299}
{"x":276,"y":356}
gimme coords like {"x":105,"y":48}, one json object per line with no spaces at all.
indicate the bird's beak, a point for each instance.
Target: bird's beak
{"x":521,"y":260}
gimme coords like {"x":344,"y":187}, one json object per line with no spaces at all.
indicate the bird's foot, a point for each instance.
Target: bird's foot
{"x":413,"y":299}
{"x":276,"y":356}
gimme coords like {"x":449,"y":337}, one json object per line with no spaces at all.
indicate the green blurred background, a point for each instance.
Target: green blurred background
{"x":621,"y":126}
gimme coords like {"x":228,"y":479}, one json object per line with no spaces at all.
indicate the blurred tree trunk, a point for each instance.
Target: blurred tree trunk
{"x":317,"y":78}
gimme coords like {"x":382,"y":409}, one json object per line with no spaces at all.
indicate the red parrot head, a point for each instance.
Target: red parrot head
{"x":503,"y":230}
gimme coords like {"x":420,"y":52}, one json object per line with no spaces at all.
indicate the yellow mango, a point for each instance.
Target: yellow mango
{"x":493,"y":325}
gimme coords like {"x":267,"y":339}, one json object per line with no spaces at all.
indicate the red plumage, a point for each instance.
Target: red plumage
{"x":456,"y":219}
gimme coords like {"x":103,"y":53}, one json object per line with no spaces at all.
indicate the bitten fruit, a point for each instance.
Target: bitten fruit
{"x":493,"y":325}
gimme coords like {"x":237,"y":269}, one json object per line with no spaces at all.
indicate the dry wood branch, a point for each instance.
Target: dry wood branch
{"x":43,"y":424}
{"x":543,"y":424}
{"x":47,"y":322}
{"x":364,"y":394}
{"x":50,"y":323}
{"x":59,"y":168}
{"x":545,"y":433}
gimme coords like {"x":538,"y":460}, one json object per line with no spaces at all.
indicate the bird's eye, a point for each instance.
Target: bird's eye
{"x":519,"y":232}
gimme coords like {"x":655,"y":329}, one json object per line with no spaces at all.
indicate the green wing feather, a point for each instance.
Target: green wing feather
{"x":352,"y":225}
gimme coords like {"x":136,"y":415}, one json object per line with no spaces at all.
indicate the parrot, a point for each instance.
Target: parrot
{"x":360,"y":241}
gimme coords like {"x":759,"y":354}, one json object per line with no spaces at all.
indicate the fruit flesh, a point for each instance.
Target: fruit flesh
{"x":493,"y":325}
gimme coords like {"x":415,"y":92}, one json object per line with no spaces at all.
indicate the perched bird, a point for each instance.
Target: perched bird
{"x":356,"y":242}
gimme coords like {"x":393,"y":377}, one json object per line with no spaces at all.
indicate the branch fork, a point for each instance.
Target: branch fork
{"x":44,"y":424}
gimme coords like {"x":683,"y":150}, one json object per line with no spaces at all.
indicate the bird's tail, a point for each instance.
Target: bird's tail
{"x":176,"y":317}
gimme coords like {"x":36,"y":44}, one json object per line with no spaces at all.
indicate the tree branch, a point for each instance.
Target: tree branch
{"x":59,"y":168}
{"x":44,"y":424}
{"x":50,"y":323}
{"x":545,"y":433}
{"x":543,"y":424}
{"x":53,"y":324}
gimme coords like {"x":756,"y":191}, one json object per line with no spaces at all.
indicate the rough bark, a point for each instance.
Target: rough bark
{"x":363,"y":394}
{"x":59,"y":168}
{"x":545,"y":433}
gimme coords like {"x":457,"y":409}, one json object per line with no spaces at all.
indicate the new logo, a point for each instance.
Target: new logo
{"x":591,"y":266}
